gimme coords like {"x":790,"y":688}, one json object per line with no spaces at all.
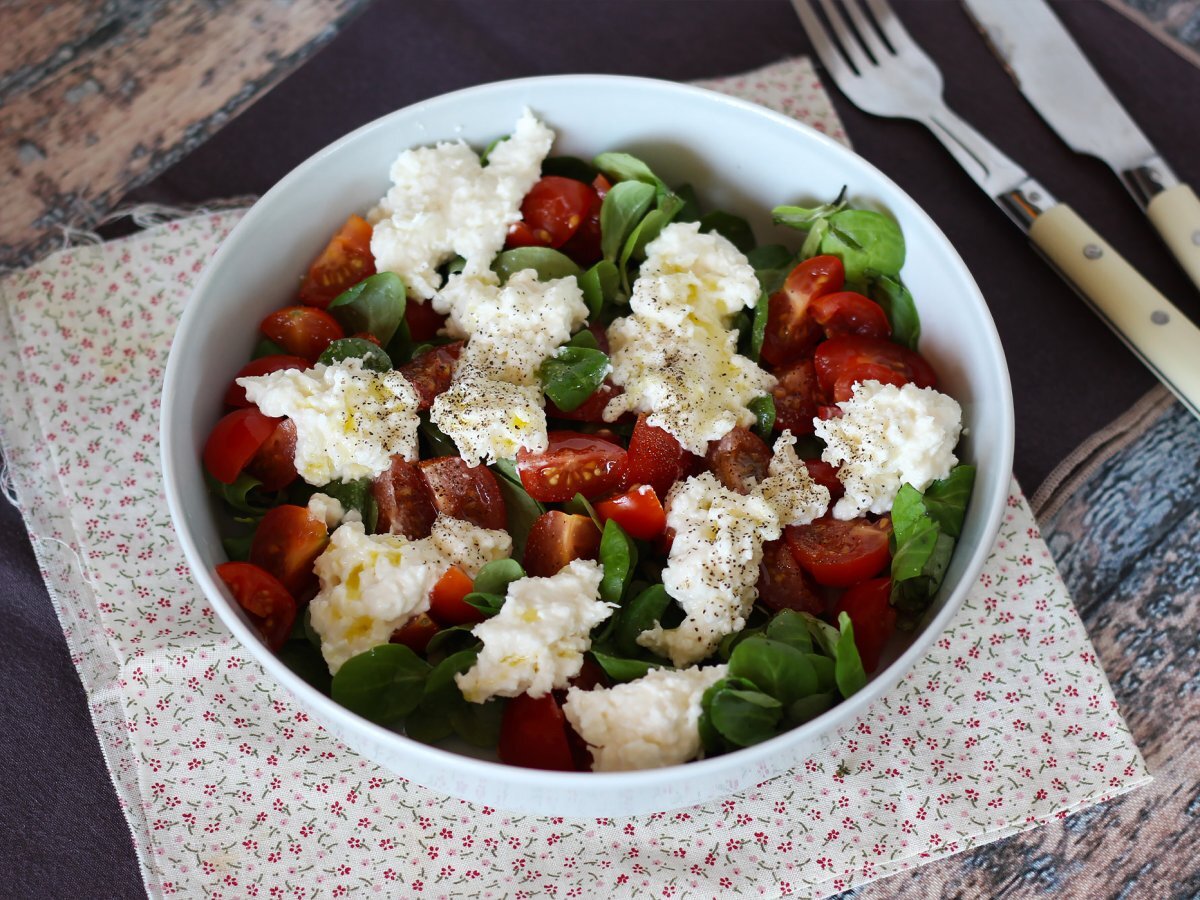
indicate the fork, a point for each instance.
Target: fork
{"x":883,"y":71}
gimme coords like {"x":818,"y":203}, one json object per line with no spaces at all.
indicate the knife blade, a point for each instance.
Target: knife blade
{"x":1067,"y":92}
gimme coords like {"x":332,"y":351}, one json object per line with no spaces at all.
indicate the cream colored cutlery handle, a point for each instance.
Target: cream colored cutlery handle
{"x":1165,"y":339}
{"x":1176,"y":214}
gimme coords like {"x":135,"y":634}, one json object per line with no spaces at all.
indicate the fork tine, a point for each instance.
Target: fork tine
{"x":896,"y":34}
{"x":845,"y":35}
{"x":866,"y":31}
{"x":824,"y":44}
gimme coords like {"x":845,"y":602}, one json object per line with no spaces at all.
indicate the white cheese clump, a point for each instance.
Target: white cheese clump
{"x":330,"y":511}
{"x":444,"y":202}
{"x":494,"y":405}
{"x":643,"y":724}
{"x":350,"y":421}
{"x":675,"y":356}
{"x":886,"y":437}
{"x":371,"y":584}
{"x":537,"y":640}
{"x":713,"y":568}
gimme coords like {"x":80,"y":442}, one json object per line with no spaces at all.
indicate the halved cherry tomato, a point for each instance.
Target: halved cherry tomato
{"x":465,"y":492}
{"x":841,"y":362}
{"x":274,"y":464}
{"x":533,"y":734}
{"x":791,"y":330}
{"x":264,"y":365}
{"x":554,"y":209}
{"x":431,"y":372}
{"x":584,"y":245}
{"x":302,"y":330}
{"x":571,"y":464}
{"x":234,"y":440}
{"x":739,"y":459}
{"x":782,"y":584}
{"x":797,"y":396}
{"x":823,"y":473}
{"x":424,"y":322}
{"x":870,"y":610}
{"x":849,"y":312}
{"x":286,"y":543}
{"x":840,"y":553}
{"x":591,"y":409}
{"x":402,"y":499}
{"x":270,"y":607}
{"x":416,"y":633}
{"x":655,"y":457}
{"x":446,"y":603}
{"x":556,"y":538}
{"x":638,"y":511}
{"x":345,"y":261}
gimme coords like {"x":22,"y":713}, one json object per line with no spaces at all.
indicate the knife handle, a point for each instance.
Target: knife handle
{"x":1162,"y":336}
{"x":1175,"y":212}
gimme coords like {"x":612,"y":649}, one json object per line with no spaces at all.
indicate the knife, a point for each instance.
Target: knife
{"x":1057,"y":79}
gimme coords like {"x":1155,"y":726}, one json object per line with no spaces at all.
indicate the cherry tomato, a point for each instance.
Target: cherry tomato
{"x":302,"y":330}
{"x":637,"y":510}
{"x":416,"y":633}
{"x":274,"y":464}
{"x":366,"y":336}
{"x":264,"y":365}
{"x":446,"y":603}
{"x":870,"y":610}
{"x":841,"y":362}
{"x":234,"y":440}
{"x":402,"y":499}
{"x":655,"y":457}
{"x":533,"y":734}
{"x":797,"y":395}
{"x":591,"y":409}
{"x":345,"y":261}
{"x":465,"y":492}
{"x":573,"y":463}
{"x":424,"y":322}
{"x":270,"y":607}
{"x":849,"y":312}
{"x":823,"y":473}
{"x":791,"y":331}
{"x":782,"y":584}
{"x":554,"y":209}
{"x":840,"y":553}
{"x":431,"y":372}
{"x":286,"y":543}
{"x":739,"y":459}
{"x":556,"y":538}
{"x":584,"y":245}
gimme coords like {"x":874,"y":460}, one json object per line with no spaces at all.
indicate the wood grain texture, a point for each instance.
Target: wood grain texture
{"x":97,"y":97}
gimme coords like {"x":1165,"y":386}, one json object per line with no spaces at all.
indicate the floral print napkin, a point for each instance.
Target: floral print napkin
{"x":231,"y":791}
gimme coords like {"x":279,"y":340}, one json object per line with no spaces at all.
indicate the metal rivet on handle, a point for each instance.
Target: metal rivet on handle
{"x":1091,"y":251}
{"x":1158,"y":317}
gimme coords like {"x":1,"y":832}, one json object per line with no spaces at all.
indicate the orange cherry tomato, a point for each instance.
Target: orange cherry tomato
{"x":446,"y":603}
{"x":416,"y":633}
{"x":302,"y":330}
{"x":637,"y":510}
{"x":286,"y":543}
{"x":270,"y":607}
{"x":556,"y":538}
{"x":345,"y":261}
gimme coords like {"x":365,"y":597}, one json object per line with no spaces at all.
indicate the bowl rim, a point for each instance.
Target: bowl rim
{"x":519,"y":778}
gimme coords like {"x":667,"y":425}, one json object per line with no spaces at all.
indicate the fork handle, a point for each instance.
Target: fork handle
{"x":1153,"y":328}
{"x":1175,"y":212}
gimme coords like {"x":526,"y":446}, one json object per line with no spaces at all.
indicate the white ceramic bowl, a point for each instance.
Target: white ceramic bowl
{"x":739,"y":157}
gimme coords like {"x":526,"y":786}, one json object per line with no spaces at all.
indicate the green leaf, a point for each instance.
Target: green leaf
{"x":400,"y":347}
{"x":730,"y":642}
{"x":237,"y":548}
{"x":826,"y":672}
{"x":946,"y":500}
{"x":808,"y":708}
{"x":804,"y":218}
{"x":891,"y":294}
{"x":742,"y":715}
{"x":771,"y":258}
{"x":546,"y":261}
{"x":775,"y":668}
{"x":478,"y":723}
{"x":599,"y":285}
{"x":244,"y":495}
{"x":384,"y":684}
{"x":764,"y":414}
{"x":373,"y":358}
{"x":522,"y":509}
{"x":847,"y":665}
{"x":579,"y":505}
{"x":922,"y":549}
{"x":734,"y":228}
{"x":428,"y":725}
{"x":865,"y":241}
{"x":569,"y":167}
{"x":444,"y":642}
{"x":618,"y":556}
{"x":496,"y":576}
{"x":487,"y":151}
{"x":622,"y":669}
{"x":443,"y":698}
{"x":486,"y":603}
{"x":355,"y":495}
{"x":623,"y":207}
{"x":690,"y":211}
{"x":267,"y":347}
{"x":623,"y":167}
{"x":374,"y":305}
{"x":306,"y":661}
{"x":788,"y":627}
{"x":584,"y":339}
{"x":439,"y":444}
{"x":812,"y":241}
{"x":572,"y":375}
{"x":637,"y":616}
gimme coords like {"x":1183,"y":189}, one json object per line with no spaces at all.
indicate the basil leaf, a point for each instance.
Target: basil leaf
{"x":585,"y":339}
{"x":522,"y":509}
{"x":865,"y":241}
{"x":640,"y":614}
{"x":384,"y":684}
{"x":741,"y":715}
{"x":496,"y":576}
{"x":891,"y":294}
{"x":622,"y":669}
{"x":623,"y":207}
{"x":306,"y":661}
{"x":487,"y":603}
{"x":788,"y":627}
{"x":599,"y":285}
{"x":808,"y":708}
{"x":764,"y":413}
{"x":623,"y":167}
{"x":618,"y":556}
{"x":946,"y":500}
{"x":734,"y":228}
{"x":267,"y":347}
{"x":374,"y":305}
{"x":775,"y":668}
{"x":847,"y":665}
{"x":546,"y":261}
{"x":572,"y":375}
{"x":569,"y":167}
{"x":373,"y":358}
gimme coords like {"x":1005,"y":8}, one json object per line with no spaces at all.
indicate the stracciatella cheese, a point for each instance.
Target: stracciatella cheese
{"x":444,"y":202}
{"x":330,"y":511}
{"x":886,"y":437}
{"x":371,"y":584}
{"x":537,"y":640}
{"x":713,"y":567}
{"x":350,"y":421}
{"x":644,"y":724}
{"x":675,"y":356}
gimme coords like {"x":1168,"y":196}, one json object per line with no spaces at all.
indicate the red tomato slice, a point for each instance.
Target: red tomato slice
{"x":465,"y":492}
{"x":591,"y":409}
{"x":739,"y":459}
{"x":286,"y":543}
{"x":446,"y":603}
{"x":637,"y":510}
{"x":533,"y":734}
{"x":270,"y":607}
{"x":416,"y":633}
{"x":402,"y":499}
{"x":302,"y":330}
{"x":849,"y":312}
{"x":345,"y":261}
{"x":521,"y":235}
{"x":870,"y":610}
{"x":791,"y":331}
{"x":431,"y":372}
{"x":555,"y":207}
{"x":367,"y":336}
{"x":782,"y":584}
{"x":841,"y":362}
{"x":841,"y":553}
{"x":655,"y":457}
{"x":573,"y":463}
{"x":584,"y":245}
{"x":797,"y":395}
{"x":275,"y":462}
{"x":264,"y":365}
{"x":424,"y":322}
{"x":234,"y":440}
{"x":556,"y":538}
{"x":823,"y":473}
